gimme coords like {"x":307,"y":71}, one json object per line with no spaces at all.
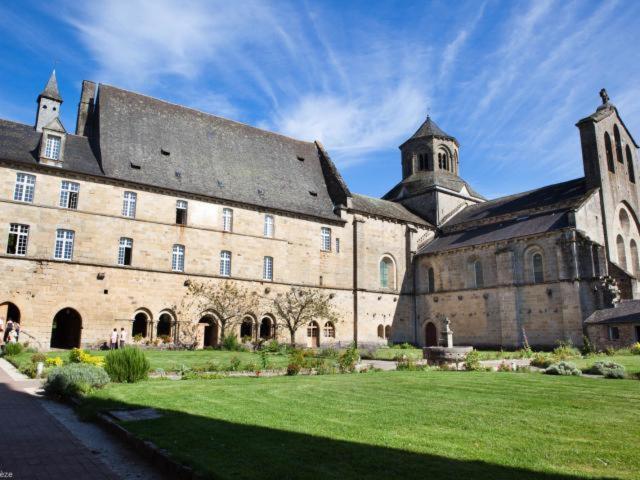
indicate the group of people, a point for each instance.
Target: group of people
{"x":118,"y":339}
{"x":10,"y":332}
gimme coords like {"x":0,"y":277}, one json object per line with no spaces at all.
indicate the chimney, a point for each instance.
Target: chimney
{"x":85,"y":108}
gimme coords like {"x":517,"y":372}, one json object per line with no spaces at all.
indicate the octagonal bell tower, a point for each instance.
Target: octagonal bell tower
{"x":430,"y":149}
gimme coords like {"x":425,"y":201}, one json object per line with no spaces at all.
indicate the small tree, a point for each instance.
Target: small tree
{"x":300,"y":306}
{"x":226,"y":299}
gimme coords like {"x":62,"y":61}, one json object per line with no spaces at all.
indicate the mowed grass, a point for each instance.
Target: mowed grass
{"x":172,"y":360}
{"x":427,"y":425}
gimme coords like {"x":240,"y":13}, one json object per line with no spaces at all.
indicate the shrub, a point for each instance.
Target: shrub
{"x":635,"y":349}
{"x":296,"y":361}
{"x":565,"y":350}
{"x":588,"y":348}
{"x":13,"y":349}
{"x":293,"y":369}
{"x":234,"y":364}
{"x":504,"y":367}
{"x":541,"y":360}
{"x":30,"y":370}
{"x":325,"y":367}
{"x":272,"y":346}
{"x":609,"y":351}
{"x":75,"y":378}
{"x":348,"y":360}
{"x":202,"y":376}
{"x":138,"y":337}
{"x":231,"y":343}
{"x":606,"y":369}
{"x":472,"y":361}
{"x":77,"y":355}
{"x":127,"y":365}
{"x":54,"y":362}
{"x":38,"y":357}
{"x":403,"y":362}
{"x":404,"y":346}
{"x":525,"y":352}
{"x":563,"y":368}
{"x":251,"y":367}
{"x":329,"y":353}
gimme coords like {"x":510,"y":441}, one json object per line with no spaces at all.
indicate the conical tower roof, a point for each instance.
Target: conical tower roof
{"x":51,"y":89}
{"x":429,"y":128}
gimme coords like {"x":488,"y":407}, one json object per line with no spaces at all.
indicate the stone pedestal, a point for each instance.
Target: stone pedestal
{"x":445,"y":355}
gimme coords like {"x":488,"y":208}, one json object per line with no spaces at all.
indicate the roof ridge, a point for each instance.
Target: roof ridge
{"x":202,"y":112}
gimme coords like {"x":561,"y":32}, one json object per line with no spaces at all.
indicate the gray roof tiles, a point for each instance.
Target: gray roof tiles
{"x":384,"y":208}
{"x":627,"y":311}
{"x":51,"y":89}
{"x":429,"y":128}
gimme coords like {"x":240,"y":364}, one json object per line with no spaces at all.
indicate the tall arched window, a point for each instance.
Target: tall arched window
{"x":633,"y":248}
{"x":538,"y":269}
{"x":609,"y":152}
{"x":616,"y":138}
{"x":632,"y":175}
{"x":478,"y":277}
{"x":329,"y":330}
{"x":380,"y":331}
{"x":622,"y":255}
{"x":387,"y":332}
{"x":431,"y":278}
{"x":387,"y":273}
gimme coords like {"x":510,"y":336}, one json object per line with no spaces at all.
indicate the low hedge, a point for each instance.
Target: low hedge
{"x":75,"y":378}
{"x":606,"y":369}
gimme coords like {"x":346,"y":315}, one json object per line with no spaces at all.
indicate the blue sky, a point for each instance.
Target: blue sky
{"x":509,"y":79}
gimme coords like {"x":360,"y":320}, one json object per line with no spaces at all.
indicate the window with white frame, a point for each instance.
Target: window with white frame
{"x":125,"y":250}
{"x":325,"y":237}
{"x":52,"y":147}
{"x":64,"y":244}
{"x":129,"y":204}
{"x":25,"y":187}
{"x":18,"y":239}
{"x":227,"y":219}
{"x":268,"y":225}
{"x":329,"y":330}
{"x":181,"y":212}
{"x":177,"y":258}
{"x":225,"y":263}
{"x":267,"y":268}
{"x":69,"y":194}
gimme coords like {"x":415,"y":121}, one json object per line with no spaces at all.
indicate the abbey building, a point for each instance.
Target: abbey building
{"x":105,"y":227}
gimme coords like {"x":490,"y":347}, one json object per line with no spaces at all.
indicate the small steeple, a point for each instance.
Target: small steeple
{"x":430,"y":129}
{"x":51,"y":89}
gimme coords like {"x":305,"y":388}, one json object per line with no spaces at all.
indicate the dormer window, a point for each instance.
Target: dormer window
{"x":52,"y":148}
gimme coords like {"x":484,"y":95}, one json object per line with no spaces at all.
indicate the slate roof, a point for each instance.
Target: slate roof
{"x":51,"y":89}
{"x":572,"y":193}
{"x":497,"y":232}
{"x":20,"y":143}
{"x":627,"y":311}
{"x":429,"y":128}
{"x":384,"y":208}
{"x":187,"y":150}
{"x":422,"y":181}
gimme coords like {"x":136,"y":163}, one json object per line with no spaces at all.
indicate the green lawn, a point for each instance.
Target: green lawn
{"x":390,"y":353}
{"x":427,"y":425}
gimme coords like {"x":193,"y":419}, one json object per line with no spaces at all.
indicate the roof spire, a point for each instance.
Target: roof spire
{"x":51,"y":89}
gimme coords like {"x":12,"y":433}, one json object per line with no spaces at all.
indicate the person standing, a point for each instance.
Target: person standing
{"x":17,"y":330}
{"x":1,"y":330}
{"x":122,"y":338}
{"x":7,"y":330}
{"x":12,"y":337}
{"x":114,"y":339}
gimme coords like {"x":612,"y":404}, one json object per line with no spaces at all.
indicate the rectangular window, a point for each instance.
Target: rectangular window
{"x":614,"y":333}
{"x":25,"y":187}
{"x":268,"y":226}
{"x":18,"y":237}
{"x":225,"y":263}
{"x":69,"y":194}
{"x":129,"y":204}
{"x":64,"y":244}
{"x":337,"y":245}
{"x":177,"y":258}
{"x":52,"y":147}
{"x":181,"y":212}
{"x":124,"y":251}
{"x":227,"y":219}
{"x":267,"y":268}
{"x":325,"y":234}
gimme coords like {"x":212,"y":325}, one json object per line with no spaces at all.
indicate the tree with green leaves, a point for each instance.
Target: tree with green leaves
{"x":300,"y":306}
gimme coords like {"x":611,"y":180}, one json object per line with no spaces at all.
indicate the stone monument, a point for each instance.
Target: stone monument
{"x":446,"y":353}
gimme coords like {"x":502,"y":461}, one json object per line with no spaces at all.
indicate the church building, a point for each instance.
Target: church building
{"x":105,"y":228}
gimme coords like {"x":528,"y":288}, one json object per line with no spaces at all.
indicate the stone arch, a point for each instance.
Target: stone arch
{"x":388,"y":273}
{"x":66,"y":329}
{"x":10,"y":311}
{"x":267,"y":327}
{"x":622,"y":254}
{"x":618,"y":143}
{"x":165,"y":324}
{"x":248,"y":327}
{"x":380,"y":331}
{"x":430,"y":335}
{"x":476,"y":272}
{"x":142,"y":321}
{"x":209,"y":326}
{"x":534,"y":264}
{"x":609,"y":152}
{"x":387,"y":332}
{"x":626,"y":227}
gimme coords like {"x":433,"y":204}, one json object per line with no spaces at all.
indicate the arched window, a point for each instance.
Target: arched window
{"x":632,"y":175}
{"x":616,"y":138}
{"x":625,"y":223}
{"x":387,"y":332}
{"x":329,"y":330}
{"x":538,"y":269}
{"x":313,"y":335}
{"x":431,"y":285}
{"x":622,"y":255}
{"x":478,"y":277}
{"x":380,"y":331}
{"x":609,"y":152}
{"x":387,"y":273}
{"x":163,"y":328}
{"x":633,"y":250}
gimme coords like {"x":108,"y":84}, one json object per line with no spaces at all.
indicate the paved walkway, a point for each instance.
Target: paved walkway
{"x":34,"y":445}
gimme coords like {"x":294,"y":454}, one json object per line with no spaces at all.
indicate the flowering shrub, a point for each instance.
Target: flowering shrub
{"x":635,"y":349}
{"x":78,"y":355}
{"x":54,"y":362}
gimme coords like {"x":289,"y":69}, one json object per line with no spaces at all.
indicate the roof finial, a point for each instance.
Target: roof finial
{"x":604,"y":96}
{"x":51,"y":89}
